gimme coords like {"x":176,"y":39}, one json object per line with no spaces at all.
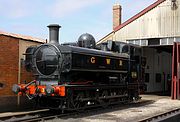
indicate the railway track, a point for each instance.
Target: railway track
{"x":39,"y":118}
{"x":46,"y":114}
{"x":170,"y":116}
{"x":21,"y":115}
{"x":35,"y":116}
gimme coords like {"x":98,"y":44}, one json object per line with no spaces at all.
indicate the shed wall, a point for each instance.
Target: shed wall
{"x":160,"y":22}
{"x":12,"y":71}
{"x":9,"y":54}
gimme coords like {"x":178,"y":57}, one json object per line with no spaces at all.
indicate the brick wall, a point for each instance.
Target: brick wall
{"x":9,"y":55}
{"x":11,"y":51}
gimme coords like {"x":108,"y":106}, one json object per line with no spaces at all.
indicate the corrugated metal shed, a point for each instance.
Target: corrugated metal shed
{"x":159,"y":20}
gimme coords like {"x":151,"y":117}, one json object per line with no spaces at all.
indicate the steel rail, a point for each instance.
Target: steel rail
{"x":10,"y":116}
{"x":162,"y":116}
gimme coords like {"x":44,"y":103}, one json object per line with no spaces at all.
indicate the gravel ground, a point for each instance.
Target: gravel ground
{"x":161,"y":104}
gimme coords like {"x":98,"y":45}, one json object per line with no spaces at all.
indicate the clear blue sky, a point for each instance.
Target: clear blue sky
{"x":30,"y":17}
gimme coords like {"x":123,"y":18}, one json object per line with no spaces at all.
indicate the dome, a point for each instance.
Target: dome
{"x":86,"y":40}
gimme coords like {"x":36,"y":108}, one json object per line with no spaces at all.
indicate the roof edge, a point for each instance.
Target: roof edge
{"x":105,"y":36}
{"x":19,"y":36}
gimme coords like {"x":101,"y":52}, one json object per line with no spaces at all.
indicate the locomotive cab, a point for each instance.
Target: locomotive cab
{"x":136,"y":63}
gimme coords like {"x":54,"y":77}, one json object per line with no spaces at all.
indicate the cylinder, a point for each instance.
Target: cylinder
{"x":54,"y":33}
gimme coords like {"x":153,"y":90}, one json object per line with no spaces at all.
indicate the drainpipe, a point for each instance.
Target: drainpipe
{"x":19,"y":75}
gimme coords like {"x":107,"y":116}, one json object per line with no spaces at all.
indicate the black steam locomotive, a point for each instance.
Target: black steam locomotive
{"x":78,"y":75}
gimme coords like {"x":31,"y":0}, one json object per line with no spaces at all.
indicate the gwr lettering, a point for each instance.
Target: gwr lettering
{"x":93,"y":60}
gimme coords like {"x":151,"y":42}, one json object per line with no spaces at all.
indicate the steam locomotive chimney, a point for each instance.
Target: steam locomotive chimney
{"x":54,"y":33}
